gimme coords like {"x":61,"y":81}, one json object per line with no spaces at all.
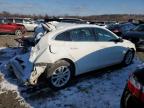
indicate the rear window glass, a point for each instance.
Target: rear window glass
{"x":83,"y":34}
{"x":63,"y":37}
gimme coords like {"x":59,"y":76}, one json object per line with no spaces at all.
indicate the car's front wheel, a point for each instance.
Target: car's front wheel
{"x":128,"y":58}
{"x":18,"y":32}
{"x":59,"y":75}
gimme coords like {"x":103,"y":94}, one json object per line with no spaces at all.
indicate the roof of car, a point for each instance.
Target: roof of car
{"x":60,"y":25}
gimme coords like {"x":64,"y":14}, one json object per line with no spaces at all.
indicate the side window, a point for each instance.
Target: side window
{"x":1,"y":21}
{"x":18,"y":21}
{"x":27,"y":21}
{"x":63,"y":36}
{"x":83,"y":34}
{"x":103,"y":35}
{"x":8,"y":20}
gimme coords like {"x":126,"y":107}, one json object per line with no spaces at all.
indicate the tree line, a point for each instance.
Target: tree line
{"x":108,"y":17}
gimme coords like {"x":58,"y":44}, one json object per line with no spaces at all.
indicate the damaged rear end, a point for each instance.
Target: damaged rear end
{"x":29,"y":66}
{"x":26,"y":71}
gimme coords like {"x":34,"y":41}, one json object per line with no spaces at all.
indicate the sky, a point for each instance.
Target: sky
{"x":73,"y":7}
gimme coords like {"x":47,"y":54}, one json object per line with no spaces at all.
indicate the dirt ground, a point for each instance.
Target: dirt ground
{"x":8,"y":99}
{"x":7,"y":40}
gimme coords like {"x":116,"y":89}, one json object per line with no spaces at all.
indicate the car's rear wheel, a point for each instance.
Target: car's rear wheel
{"x":128,"y":57}
{"x":59,"y":75}
{"x":125,"y":99}
{"x":18,"y":32}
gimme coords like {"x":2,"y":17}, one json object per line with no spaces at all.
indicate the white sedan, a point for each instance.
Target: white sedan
{"x":68,"y":50}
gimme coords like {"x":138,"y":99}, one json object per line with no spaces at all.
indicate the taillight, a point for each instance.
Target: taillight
{"x":142,"y":95}
{"x":136,"y":88}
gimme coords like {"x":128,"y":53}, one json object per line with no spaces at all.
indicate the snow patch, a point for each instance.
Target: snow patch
{"x":102,"y":91}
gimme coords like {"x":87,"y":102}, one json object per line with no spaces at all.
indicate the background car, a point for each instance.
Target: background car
{"x":136,"y":36}
{"x":120,"y":29}
{"x":105,"y":23}
{"x":6,"y":27}
{"x":27,"y":22}
{"x":133,"y":94}
{"x":69,"y":50}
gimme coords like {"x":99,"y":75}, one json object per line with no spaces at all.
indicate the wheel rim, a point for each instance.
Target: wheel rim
{"x":129,"y":57}
{"x":18,"y":32}
{"x":60,"y":76}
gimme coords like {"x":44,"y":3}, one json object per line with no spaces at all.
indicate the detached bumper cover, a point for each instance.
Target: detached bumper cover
{"x":24,"y":70}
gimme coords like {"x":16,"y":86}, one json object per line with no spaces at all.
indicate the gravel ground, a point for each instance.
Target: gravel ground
{"x":8,"y":99}
{"x":7,"y":40}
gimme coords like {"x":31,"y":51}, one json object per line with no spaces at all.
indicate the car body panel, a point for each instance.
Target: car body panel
{"x":91,"y":55}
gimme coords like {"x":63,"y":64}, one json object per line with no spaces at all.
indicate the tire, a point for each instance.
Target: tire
{"x":18,"y":32}
{"x":125,"y":99}
{"x":128,"y":58}
{"x":60,"y":74}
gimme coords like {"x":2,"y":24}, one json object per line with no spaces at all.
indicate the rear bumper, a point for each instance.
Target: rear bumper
{"x":24,"y":70}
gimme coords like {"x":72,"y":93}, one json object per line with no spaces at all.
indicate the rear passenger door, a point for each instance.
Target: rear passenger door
{"x":82,"y":47}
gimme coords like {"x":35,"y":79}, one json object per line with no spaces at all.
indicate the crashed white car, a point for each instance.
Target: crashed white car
{"x":69,"y":50}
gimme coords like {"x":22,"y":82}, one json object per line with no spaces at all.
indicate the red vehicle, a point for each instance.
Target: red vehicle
{"x":6,"y":27}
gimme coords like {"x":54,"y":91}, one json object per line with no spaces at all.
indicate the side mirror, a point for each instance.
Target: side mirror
{"x":120,"y":39}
